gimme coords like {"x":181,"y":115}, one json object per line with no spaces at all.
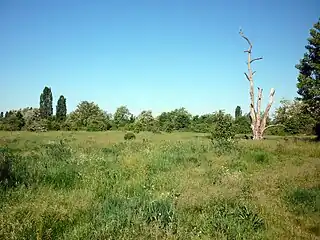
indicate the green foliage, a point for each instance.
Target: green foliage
{"x":293,"y":118}
{"x":223,"y":133}
{"x":157,"y":188}
{"x":14,"y":121}
{"x":233,"y":219}
{"x":160,"y":211}
{"x":46,"y":109}
{"x":304,"y":200}
{"x":178,"y":119}
{"x":259,"y":156}
{"x":223,"y":128}
{"x":88,"y":116}
{"x":61,"y":109}
{"x":238,"y":112}
{"x":309,"y":74}
{"x":129,"y":136}
{"x":6,"y":175}
{"x":122,"y":116}
{"x":145,"y":121}
{"x":242,"y":125}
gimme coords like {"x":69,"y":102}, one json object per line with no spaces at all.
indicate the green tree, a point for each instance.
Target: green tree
{"x":1,"y":115}
{"x":181,"y":119}
{"x":309,"y":73}
{"x":292,"y":118}
{"x":242,"y":124}
{"x":122,"y":116}
{"x":238,"y":112}
{"x":14,"y":121}
{"x":46,"y":109}
{"x":61,"y":109}
{"x":88,"y":116}
{"x":223,"y":133}
{"x":20,"y":122}
{"x":145,"y":121}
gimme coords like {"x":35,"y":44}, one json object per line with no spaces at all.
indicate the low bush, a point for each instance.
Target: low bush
{"x":129,"y":136}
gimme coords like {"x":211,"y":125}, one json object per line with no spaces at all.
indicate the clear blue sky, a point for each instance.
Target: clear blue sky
{"x":152,"y":54}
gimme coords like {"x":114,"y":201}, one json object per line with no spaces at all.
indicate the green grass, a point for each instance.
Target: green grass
{"x":84,"y":185}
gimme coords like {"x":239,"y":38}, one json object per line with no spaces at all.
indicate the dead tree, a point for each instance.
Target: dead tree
{"x":258,"y":120}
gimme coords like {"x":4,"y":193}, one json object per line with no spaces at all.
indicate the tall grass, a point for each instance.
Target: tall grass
{"x":165,"y":186}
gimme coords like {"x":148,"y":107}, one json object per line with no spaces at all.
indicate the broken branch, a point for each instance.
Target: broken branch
{"x":247,"y":76}
{"x":256,"y":59}
{"x":250,"y":45}
{"x":274,"y":125}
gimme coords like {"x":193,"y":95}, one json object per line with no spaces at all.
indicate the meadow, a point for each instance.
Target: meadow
{"x":86,"y":185}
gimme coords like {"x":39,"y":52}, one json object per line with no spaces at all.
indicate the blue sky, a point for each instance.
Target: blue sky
{"x":151,"y":54}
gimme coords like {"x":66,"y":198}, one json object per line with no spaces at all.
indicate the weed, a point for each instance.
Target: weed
{"x":160,"y":211}
{"x":304,"y":200}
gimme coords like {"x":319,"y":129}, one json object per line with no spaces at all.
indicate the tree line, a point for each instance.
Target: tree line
{"x":88,"y":116}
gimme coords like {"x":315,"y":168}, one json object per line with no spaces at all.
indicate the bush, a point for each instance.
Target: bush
{"x":136,"y":130}
{"x":223,"y":134}
{"x":129,"y":136}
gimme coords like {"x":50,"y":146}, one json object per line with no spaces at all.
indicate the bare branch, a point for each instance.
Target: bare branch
{"x":256,"y":59}
{"x":259,"y":100}
{"x":274,"y":125}
{"x":266,"y":113}
{"x":250,"y":45}
{"x":247,"y":76}
{"x":253,"y":73}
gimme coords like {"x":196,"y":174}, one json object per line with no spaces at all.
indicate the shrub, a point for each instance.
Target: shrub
{"x":223,"y":134}
{"x":136,"y":130}
{"x":129,"y":136}
{"x":156,"y":131}
{"x":260,"y":156}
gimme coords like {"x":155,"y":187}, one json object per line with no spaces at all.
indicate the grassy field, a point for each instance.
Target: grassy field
{"x":82,"y":185}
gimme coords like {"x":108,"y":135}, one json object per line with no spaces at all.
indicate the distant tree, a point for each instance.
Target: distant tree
{"x":309,"y":74}
{"x":61,"y":109}
{"x":46,"y":109}
{"x":6,"y":114}
{"x":238,"y":112}
{"x":122,"y":116}
{"x":20,"y":120}
{"x":293,"y":119}
{"x":242,"y":124}
{"x":33,"y":120}
{"x":88,"y":116}
{"x":1,"y":115}
{"x":145,"y":121}
{"x":223,"y":125}
{"x":14,"y":121}
{"x":181,"y":119}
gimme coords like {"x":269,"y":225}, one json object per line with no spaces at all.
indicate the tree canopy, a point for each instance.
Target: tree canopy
{"x":309,"y":73}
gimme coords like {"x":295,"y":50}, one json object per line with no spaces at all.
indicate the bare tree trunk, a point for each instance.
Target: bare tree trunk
{"x":258,"y":121}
